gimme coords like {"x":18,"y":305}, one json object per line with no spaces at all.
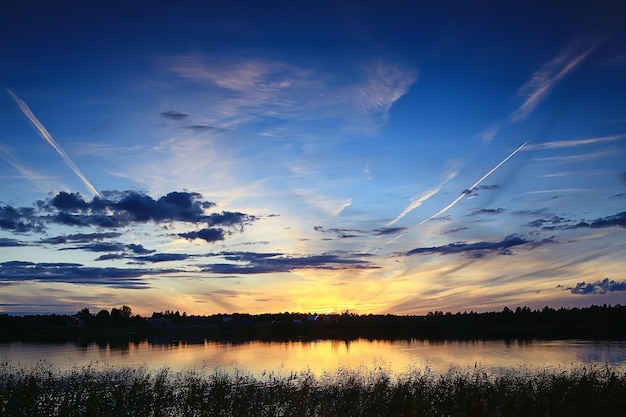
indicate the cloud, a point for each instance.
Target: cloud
{"x":100,"y":247}
{"x":389,"y":231}
{"x":18,"y":271}
{"x":549,"y":223}
{"x":545,"y":78}
{"x":25,"y":172}
{"x":477,"y":249}
{"x":259,"y":87}
{"x":340,"y":233}
{"x":209,"y":234}
{"x":577,"y":158}
{"x":20,"y":220}
{"x":163,"y":257}
{"x":598,"y":287}
{"x":80,"y":238}
{"x":574,"y":143}
{"x":622,"y":177}
{"x":616,"y":220}
{"x":174,"y":115}
{"x":455,"y":230}
{"x":206,"y":128}
{"x":487,"y":211}
{"x":118,"y":209}
{"x":489,"y":132}
{"x":539,"y":86}
{"x":139,"y":249}
{"x":488,"y":187}
{"x":7,"y":242}
{"x":260,"y":263}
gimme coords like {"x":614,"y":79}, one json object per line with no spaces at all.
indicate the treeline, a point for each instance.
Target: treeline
{"x":595,"y":322}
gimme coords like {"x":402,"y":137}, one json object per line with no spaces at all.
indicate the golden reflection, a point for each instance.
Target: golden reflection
{"x":324,"y":355}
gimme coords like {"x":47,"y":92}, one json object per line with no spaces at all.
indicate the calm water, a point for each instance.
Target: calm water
{"x":325,"y":355}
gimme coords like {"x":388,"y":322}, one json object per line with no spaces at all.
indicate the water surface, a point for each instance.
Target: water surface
{"x":323,"y":355}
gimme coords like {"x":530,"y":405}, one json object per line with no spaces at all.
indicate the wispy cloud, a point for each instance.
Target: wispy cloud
{"x":24,"y":171}
{"x":273,"y":88}
{"x":48,"y":138}
{"x":576,"y":142}
{"x":576,"y":158}
{"x":545,"y":78}
{"x":540,"y":84}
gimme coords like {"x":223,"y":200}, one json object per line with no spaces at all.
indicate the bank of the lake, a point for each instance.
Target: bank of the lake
{"x":43,"y":390}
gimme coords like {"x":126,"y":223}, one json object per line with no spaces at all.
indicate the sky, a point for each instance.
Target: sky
{"x":377,"y":157}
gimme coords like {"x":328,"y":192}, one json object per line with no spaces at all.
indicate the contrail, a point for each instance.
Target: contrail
{"x":48,"y":138}
{"x":422,"y":199}
{"x":476,"y":184}
{"x":432,"y":192}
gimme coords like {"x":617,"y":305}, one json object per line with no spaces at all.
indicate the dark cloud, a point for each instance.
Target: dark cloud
{"x":20,"y":220}
{"x":100,"y":247}
{"x":7,"y":242}
{"x":228,"y":218}
{"x":388,"y":231}
{"x":206,"y":128}
{"x":487,"y":187}
{"x":163,"y":257}
{"x":598,"y":287}
{"x":73,"y":273}
{"x":139,"y":249}
{"x":616,"y":220}
{"x":549,"y":223}
{"x":80,"y":238}
{"x":458,"y":229}
{"x":561,"y":223}
{"x":259,"y":263}
{"x":477,"y":249}
{"x":110,"y":257}
{"x":121,"y":208}
{"x":340,"y":233}
{"x":531,"y":213}
{"x":209,"y":234}
{"x":173,"y":115}
{"x":200,"y":127}
{"x":72,"y":202}
{"x":487,"y":211}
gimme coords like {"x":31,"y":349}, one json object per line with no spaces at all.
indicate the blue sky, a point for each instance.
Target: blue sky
{"x":386,"y":157}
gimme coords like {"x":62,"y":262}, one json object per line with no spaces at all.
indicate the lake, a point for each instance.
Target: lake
{"x":322,"y":355}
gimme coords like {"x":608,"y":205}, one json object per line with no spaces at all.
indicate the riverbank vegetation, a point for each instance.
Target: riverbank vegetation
{"x":595,"y":322}
{"x":46,"y":391}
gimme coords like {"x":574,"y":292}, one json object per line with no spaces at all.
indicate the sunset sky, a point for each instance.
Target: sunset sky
{"x":270,"y":156}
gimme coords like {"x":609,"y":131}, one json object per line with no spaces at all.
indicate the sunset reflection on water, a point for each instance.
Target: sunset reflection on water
{"x":322,"y":355}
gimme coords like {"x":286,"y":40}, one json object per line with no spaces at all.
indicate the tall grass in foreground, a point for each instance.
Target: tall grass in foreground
{"x":45,"y":391}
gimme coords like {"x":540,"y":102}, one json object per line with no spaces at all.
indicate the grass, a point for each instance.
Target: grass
{"x":43,"y":390}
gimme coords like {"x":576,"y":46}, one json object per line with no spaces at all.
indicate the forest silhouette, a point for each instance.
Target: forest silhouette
{"x":594,"y":322}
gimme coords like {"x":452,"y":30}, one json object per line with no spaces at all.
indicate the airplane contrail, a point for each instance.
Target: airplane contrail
{"x":48,"y":138}
{"x":416,"y":203}
{"x":476,"y":184}
{"x":453,"y":203}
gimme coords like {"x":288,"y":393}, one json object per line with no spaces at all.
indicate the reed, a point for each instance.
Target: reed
{"x":44,"y":390}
